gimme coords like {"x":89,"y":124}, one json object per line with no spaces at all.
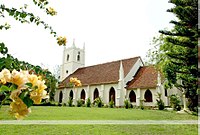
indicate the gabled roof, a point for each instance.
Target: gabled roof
{"x":145,"y":78}
{"x":102,"y":73}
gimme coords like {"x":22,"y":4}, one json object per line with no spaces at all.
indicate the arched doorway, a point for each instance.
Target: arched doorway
{"x":96,"y":94}
{"x":148,"y":96}
{"x":112,"y":94}
{"x":83,"y":94}
{"x":71,"y":94}
{"x":60,"y":97}
{"x":132,"y":96}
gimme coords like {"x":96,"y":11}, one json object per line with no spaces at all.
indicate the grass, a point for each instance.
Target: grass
{"x":83,"y":113}
{"x":98,"y":129}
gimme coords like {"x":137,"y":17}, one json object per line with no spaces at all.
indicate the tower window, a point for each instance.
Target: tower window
{"x":67,"y":57}
{"x":78,"y":57}
{"x":67,"y":71}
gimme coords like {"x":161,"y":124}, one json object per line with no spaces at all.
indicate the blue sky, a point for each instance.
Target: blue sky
{"x":111,"y":30}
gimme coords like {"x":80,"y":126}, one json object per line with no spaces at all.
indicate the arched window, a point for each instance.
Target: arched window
{"x":148,"y":96}
{"x":71,"y":94}
{"x":112,"y":94}
{"x":78,"y":57}
{"x":67,"y":57}
{"x":60,"y":97}
{"x":67,"y":71}
{"x":96,"y":94}
{"x":83,"y":94}
{"x":132,"y":96}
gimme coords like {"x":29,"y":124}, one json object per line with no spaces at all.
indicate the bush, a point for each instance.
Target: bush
{"x":142,"y":104}
{"x":79,"y":102}
{"x":70,"y":102}
{"x":126,"y":103}
{"x":64,"y":104}
{"x":99,"y":102}
{"x":88,"y":102}
{"x":175,"y":102}
{"x":112,"y":103}
{"x":160,"y":102}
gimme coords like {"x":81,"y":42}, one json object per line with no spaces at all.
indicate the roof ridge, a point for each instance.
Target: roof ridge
{"x":109,"y":62}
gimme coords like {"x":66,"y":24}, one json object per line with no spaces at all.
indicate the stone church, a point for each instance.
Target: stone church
{"x":117,"y":80}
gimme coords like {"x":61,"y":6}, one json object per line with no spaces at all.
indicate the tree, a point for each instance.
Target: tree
{"x":177,"y":54}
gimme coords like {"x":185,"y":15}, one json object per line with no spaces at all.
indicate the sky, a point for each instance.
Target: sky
{"x":111,"y":30}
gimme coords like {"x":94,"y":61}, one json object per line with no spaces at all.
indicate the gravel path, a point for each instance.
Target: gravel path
{"x":93,"y":122}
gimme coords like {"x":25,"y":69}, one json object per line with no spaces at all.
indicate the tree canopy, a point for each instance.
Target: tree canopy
{"x":176,"y":50}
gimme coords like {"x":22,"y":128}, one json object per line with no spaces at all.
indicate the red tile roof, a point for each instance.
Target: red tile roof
{"x":145,"y":78}
{"x":102,"y":73}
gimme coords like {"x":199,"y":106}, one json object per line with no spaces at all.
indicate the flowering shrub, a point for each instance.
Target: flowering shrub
{"x":25,"y":89}
{"x":75,"y":82}
{"x":61,"y":40}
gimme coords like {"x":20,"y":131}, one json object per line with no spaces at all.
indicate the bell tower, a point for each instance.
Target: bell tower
{"x":73,"y":58}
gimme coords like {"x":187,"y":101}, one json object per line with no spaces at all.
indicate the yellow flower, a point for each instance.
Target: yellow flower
{"x":18,"y":78}
{"x":15,"y":94}
{"x":75,"y":81}
{"x":5,"y":76}
{"x":61,"y":40}
{"x":41,"y":86}
{"x":33,"y":79}
{"x":51,"y":11}
{"x":19,"y":109}
{"x":36,"y":97}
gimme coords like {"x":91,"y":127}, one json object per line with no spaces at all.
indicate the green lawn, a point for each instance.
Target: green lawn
{"x":98,"y":130}
{"x":83,"y":113}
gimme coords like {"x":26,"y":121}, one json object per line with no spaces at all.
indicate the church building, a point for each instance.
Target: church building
{"x":116,"y":80}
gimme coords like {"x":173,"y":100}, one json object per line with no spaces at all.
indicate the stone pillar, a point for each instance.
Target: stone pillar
{"x":75,"y":96}
{"x":87,"y":92}
{"x":117,"y":100}
{"x":101,"y":92}
{"x":64,"y":99}
{"x":138,"y":97}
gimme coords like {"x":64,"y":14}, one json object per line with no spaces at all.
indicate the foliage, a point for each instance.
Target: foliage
{"x":112,"y":103}
{"x":176,"y":50}
{"x":126,"y":103}
{"x":79,"y":102}
{"x":70,"y":102}
{"x":160,"y":102}
{"x":142,"y":104}
{"x":175,"y":102}
{"x":98,"y":101}
{"x":9,"y":62}
{"x":88,"y":102}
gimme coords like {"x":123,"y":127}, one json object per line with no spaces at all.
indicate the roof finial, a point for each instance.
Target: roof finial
{"x":73,"y":45}
{"x":84,"y":46}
